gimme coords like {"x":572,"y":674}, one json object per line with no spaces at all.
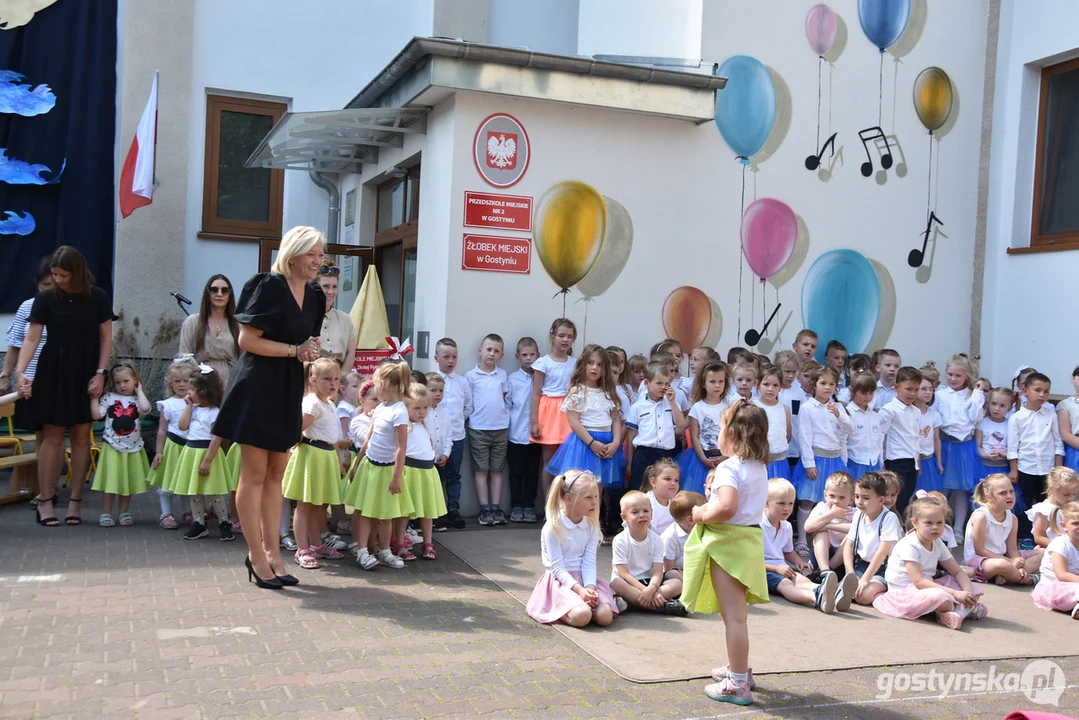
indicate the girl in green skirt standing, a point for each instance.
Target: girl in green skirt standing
{"x":123,"y":466}
{"x":314,"y":471}
{"x":202,"y":474}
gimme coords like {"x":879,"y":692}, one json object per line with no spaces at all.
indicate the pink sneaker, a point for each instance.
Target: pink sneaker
{"x":325,"y":552}
{"x":168,"y":522}
{"x":727,"y":690}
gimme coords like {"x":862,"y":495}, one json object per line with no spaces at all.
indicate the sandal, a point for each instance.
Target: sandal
{"x":168,"y":522}
{"x":802,"y":549}
{"x":73,"y":519}
{"x":429,"y":552}
{"x":126,"y":520}
{"x":404,"y":553}
{"x":48,"y":522}
{"x":306,"y":560}
{"x":106,"y":520}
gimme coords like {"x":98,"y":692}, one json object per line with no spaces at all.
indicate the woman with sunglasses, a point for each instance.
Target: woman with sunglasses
{"x":338,"y":334}
{"x":212,"y":335}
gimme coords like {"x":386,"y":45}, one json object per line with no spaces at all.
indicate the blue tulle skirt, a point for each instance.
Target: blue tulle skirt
{"x":930,"y":478}
{"x":962,"y":463}
{"x":813,"y":490}
{"x":779,"y":469}
{"x":985,"y":471}
{"x":857,"y":470}
{"x":1071,"y":457}
{"x":575,"y":455}
{"x":693,"y":472}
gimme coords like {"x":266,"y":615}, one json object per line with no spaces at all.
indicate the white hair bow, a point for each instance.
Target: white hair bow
{"x":181,"y":358}
{"x":205,"y":369}
{"x":920,"y":494}
{"x":1019,"y":371}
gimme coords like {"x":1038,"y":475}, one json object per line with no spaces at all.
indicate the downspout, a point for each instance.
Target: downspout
{"x":333,"y":220}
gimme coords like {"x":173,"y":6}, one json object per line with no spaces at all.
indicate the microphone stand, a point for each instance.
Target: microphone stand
{"x":181,"y":304}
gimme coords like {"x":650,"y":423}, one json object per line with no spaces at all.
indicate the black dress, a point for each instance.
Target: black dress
{"x":70,"y":357}
{"x":262,"y":402}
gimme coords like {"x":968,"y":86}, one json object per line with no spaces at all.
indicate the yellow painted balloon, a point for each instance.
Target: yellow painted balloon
{"x":570,"y":223}
{"x":687,"y":316}
{"x":933,"y":97}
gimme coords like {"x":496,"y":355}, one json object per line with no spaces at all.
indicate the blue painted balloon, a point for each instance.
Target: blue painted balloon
{"x":841,"y":300}
{"x":883,"y":21}
{"x":746,"y":108}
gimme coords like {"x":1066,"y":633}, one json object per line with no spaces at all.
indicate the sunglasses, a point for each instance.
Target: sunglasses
{"x":329,"y":271}
{"x":219,"y":290}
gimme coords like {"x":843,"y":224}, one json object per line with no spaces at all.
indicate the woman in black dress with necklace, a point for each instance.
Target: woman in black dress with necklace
{"x":70,"y":371}
{"x":280,"y":315}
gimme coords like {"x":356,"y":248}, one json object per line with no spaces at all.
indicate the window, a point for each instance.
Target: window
{"x":396,"y":230}
{"x":239,"y":203}
{"x":1056,"y":173}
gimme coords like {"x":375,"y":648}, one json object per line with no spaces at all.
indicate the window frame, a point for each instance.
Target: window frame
{"x":214,"y":227}
{"x":1039,"y":240}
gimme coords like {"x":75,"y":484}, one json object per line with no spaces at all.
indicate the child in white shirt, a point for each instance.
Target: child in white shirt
{"x":488,"y":428}
{"x":829,"y":522}
{"x":900,"y":424}
{"x":931,"y":477}
{"x":784,"y":567}
{"x":661,"y":485}
{"x":873,"y":532}
{"x":865,"y":444}
{"x":457,"y":401}
{"x":1058,"y":588}
{"x":637,"y":556}
{"x":522,"y":455}
{"x":1034,"y":444}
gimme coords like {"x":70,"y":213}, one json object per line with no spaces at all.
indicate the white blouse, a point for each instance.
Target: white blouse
{"x":556,"y":375}
{"x":326,"y":427}
{"x":819,"y":428}
{"x":171,"y":409}
{"x":202,"y":423}
{"x":1045,"y":508}
{"x":930,"y":420}
{"x":1071,"y":406}
{"x":385,"y":420}
{"x":777,"y":426}
{"x":996,"y":533}
{"x":573,"y":549}
{"x":419,"y":443}
{"x":592,"y":404}
{"x":960,"y":411}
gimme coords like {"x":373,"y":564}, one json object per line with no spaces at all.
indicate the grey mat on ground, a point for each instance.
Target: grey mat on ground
{"x":646,"y":648}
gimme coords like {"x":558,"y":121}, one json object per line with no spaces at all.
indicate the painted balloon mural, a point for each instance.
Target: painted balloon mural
{"x":613,"y":255}
{"x":883,"y":21}
{"x":933,"y":101}
{"x":769,"y":231}
{"x":822,"y":26}
{"x":570,"y":223}
{"x":691,"y":317}
{"x":746,"y":108}
{"x":841,"y":300}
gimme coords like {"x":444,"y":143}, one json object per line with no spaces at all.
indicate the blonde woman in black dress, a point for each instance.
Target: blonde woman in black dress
{"x":280,"y":315}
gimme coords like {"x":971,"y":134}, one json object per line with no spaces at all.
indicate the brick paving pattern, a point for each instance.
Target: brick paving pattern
{"x":137,"y":623}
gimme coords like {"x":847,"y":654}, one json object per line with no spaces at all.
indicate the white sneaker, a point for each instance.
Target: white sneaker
{"x":388,"y":559}
{"x":415,"y":535}
{"x":334,"y":541}
{"x":365,"y":560}
{"x":621,"y":604}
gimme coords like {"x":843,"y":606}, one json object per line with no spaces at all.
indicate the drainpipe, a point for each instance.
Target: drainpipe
{"x":334,"y":218}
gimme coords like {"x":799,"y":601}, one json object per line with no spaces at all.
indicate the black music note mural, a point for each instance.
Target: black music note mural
{"x":875,"y":135}
{"x":813,"y":161}
{"x":752,"y":336}
{"x":916,"y":256}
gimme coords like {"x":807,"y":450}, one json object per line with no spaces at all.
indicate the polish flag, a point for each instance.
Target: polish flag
{"x":137,"y":178}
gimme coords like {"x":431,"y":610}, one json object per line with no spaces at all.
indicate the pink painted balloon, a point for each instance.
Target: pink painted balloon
{"x":769,"y":232}
{"x":821,"y":26}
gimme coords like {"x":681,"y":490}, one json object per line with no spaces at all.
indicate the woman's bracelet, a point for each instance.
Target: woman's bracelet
{"x":590,"y":442}
{"x":291,"y":350}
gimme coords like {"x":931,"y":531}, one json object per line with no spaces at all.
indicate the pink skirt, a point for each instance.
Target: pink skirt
{"x":976,"y":565}
{"x":553,"y":423}
{"x":1056,"y":595}
{"x":910,"y":603}
{"x":551,"y":600}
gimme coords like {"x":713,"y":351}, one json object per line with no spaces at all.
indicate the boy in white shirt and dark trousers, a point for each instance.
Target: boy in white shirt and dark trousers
{"x":522,"y":455}
{"x":900,"y":425}
{"x":456,"y":401}
{"x":652,"y":424}
{"x":488,"y":428}
{"x":1034,"y":445}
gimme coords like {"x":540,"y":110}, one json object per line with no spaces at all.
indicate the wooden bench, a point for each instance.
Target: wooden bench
{"x":23,"y":477}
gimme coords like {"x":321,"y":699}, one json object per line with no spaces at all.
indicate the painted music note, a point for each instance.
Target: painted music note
{"x":813,"y":161}
{"x":752,"y":336}
{"x":916,"y":256}
{"x":874,"y":134}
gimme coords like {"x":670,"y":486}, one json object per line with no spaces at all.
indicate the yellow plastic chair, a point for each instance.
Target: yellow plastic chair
{"x":12,"y":439}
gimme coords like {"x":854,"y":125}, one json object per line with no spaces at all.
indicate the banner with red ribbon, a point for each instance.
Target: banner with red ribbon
{"x":367,"y":361}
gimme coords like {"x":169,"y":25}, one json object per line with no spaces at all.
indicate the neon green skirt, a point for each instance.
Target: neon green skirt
{"x":370,"y":493}
{"x":120,"y":473}
{"x":232,"y":464}
{"x":163,"y":474}
{"x":189,"y":482}
{"x":312,"y":476}
{"x":425,"y":487}
{"x":738,"y":549}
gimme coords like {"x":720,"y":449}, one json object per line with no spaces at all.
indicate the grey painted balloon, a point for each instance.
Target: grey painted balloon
{"x":613,"y":255}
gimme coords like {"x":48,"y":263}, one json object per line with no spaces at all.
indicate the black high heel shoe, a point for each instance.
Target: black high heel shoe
{"x":48,"y":522}
{"x":252,"y":576}
{"x":287,"y":579}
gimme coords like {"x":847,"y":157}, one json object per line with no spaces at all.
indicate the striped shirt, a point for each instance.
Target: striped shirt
{"x":16,"y":334}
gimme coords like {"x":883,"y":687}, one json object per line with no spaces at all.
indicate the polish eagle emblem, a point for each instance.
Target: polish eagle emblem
{"x":502,"y":150}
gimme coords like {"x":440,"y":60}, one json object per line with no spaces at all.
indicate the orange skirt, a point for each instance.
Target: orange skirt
{"x":554,"y":426}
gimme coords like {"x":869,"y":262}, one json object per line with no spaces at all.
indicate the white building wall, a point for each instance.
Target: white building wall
{"x":668,"y":29}
{"x":547,"y":26}
{"x":1026,"y":319}
{"x":314,"y":56}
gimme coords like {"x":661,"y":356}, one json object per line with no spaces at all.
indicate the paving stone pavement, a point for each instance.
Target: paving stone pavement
{"x":137,"y":623}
